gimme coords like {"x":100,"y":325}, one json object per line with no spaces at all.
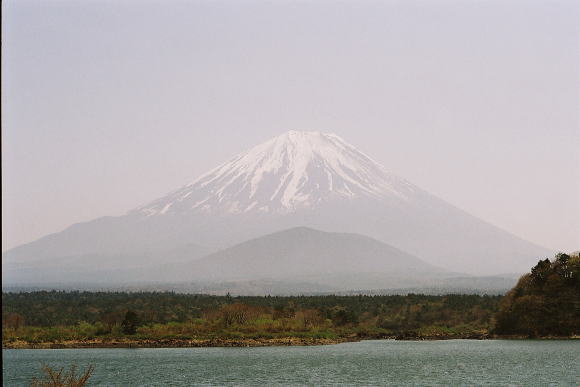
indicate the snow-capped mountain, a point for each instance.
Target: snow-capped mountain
{"x":298,"y":179}
{"x":293,"y":171}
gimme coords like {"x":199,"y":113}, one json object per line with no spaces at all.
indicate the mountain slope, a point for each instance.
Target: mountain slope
{"x":297,"y":179}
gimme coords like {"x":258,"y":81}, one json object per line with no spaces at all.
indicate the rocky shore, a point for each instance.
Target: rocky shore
{"x":247,"y":342}
{"x":177,"y":343}
{"x":440,"y":336}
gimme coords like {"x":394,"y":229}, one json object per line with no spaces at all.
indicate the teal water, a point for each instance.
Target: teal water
{"x":385,"y":362}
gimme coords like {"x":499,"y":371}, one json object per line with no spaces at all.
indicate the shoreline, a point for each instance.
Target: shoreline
{"x":241,"y":343}
{"x":179,"y":343}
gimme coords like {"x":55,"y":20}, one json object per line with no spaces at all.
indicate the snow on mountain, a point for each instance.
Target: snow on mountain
{"x":292,"y":171}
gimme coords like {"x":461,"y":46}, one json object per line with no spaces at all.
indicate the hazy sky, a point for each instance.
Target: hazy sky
{"x":110,"y":104}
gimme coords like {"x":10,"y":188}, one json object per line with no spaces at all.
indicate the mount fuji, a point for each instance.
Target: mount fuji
{"x":298,"y":179}
{"x":297,"y":170}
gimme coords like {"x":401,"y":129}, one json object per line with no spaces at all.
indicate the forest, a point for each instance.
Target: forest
{"x":53,"y":316}
{"x":545,"y":302}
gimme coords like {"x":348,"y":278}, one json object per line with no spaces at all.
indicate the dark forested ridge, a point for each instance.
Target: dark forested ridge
{"x":52,"y":308}
{"x":41,"y":316}
{"x":545,"y":302}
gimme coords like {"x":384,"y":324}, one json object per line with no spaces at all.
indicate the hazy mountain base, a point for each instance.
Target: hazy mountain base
{"x":295,"y":261}
{"x":91,"y":267}
{"x":454,"y":285}
{"x":431,"y":229}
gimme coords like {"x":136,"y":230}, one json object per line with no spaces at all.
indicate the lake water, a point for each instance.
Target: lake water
{"x":384,"y":362}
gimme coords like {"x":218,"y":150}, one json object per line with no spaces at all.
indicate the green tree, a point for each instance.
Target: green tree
{"x":130,"y":323}
{"x":343,"y":316}
{"x":544,"y":302}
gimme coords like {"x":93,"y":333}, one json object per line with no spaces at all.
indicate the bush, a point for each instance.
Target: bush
{"x":60,"y":378}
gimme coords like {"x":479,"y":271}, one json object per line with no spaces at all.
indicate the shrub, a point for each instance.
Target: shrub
{"x":62,"y":378}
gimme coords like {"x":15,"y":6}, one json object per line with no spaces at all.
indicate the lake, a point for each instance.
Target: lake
{"x":378,"y":362}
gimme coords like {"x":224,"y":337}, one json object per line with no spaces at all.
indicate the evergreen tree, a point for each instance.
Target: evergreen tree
{"x":130,"y":323}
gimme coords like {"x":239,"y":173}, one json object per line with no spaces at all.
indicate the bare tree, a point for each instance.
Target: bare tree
{"x":311,"y":318}
{"x":12,"y":320}
{"x":238,"y":313}
{"x":62,"y":378}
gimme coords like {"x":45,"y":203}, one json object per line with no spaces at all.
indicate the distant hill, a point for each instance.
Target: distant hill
{"x":303,"y":252}
{"x":325,"y":260}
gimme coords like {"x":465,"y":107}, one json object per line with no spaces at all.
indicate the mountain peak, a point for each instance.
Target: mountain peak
{"x":302,"y":136}
{"x":297,"y":169}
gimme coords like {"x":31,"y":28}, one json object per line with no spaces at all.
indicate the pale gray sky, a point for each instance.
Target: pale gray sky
{"x":109,"y":104}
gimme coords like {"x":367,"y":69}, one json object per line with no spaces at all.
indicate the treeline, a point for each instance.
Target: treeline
{"x":46,"y":316}
{"x":545,"y":302}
